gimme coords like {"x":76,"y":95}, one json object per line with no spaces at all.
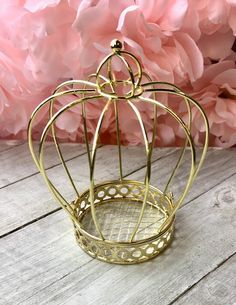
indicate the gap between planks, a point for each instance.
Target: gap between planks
{"x":140,"y":295}
{"x":103,"y":274}
{"x":207,"y":170}
{"x":9,"y":197}
{"x":187,"y":289}
{"x":24,"y":167}
{"x":10,"y":144}
{"x":198,"y":294}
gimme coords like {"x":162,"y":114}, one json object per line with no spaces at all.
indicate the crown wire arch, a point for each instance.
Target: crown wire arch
{"x":112,"y":97}
{"x":76,"y":102}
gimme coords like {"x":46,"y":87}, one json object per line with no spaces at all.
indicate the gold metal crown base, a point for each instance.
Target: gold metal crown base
{"x":118,"y":205}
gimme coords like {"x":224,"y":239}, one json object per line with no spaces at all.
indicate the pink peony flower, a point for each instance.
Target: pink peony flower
{"x":166,"y":52}
{"x":33,"y":57}
{"x":216,"y":91}
{"x":187,"y":42}
{"x":18,"y":97}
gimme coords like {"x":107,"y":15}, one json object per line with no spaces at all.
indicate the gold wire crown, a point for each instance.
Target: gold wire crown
{"x":120,"y":221}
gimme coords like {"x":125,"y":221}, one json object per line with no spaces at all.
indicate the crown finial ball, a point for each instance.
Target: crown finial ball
{"x":116,"y":45}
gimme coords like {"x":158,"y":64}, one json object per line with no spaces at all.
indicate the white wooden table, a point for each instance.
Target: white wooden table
{"x":42,"y":264}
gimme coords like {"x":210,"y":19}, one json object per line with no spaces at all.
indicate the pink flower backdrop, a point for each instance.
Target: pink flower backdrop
{"x":190,"y":43}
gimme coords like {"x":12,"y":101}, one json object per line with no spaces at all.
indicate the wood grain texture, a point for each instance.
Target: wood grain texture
{"x":42,"y":264}
{"x":22,"y":207}
{"x":219,"y":165}
{"x":10,"y":144}
{"x":29,"y":199}
{"x":216,"y":288}
{"x":16,"y":164}
{"x":45,"y":265}
{"x":205,"y":238}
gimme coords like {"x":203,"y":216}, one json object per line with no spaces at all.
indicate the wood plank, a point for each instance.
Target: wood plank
{"x":17,"y":163}
{"x":45,"y":266}
{"x":219,"y":165}
{"x":205,"y":238}
{"x":29,"y":199}
{"x":22,"y":207}
{"x":32,"y":250}
{"x":9,"y":144}
{"x":219,"y":287}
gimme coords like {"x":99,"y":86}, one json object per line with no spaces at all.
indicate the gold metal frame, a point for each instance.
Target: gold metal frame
{"x":148,"y":212}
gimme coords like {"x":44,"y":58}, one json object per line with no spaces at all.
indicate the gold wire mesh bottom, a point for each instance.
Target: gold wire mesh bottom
{"x":118,"y":206}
